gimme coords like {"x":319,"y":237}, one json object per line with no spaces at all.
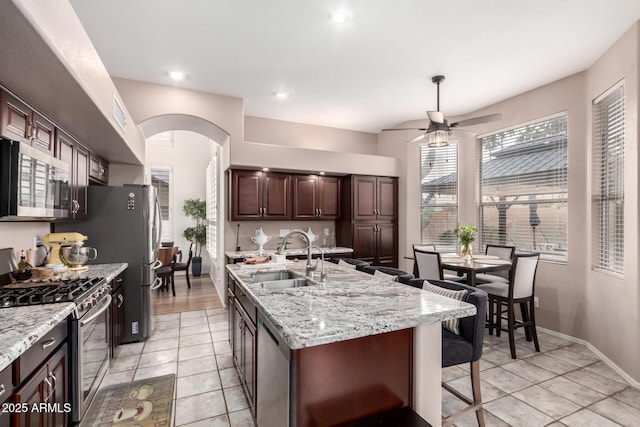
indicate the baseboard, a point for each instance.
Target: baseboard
{"x":597,"y":352}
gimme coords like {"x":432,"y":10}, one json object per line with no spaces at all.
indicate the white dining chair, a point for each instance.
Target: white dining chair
{"x":427,"y":265}
{"x":502,"y":252}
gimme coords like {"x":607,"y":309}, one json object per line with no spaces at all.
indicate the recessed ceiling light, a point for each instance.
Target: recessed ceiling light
{"x":321,"y":173}
{"x":280,"y":94}
{"x":341,"y":17}
{"x":176,"y":75}
{"x":265,"y":169}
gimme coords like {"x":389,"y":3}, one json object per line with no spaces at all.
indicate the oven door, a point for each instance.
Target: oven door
{"x":90,"y":337}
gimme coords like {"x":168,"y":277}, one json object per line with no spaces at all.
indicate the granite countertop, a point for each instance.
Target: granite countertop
{"x":21,"y":327}
{"x":288,"y":252}
{"x":350,"y":304}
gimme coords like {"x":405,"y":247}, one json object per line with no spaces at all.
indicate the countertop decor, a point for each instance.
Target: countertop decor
{"x":350,"y":304}
{"x":21,"y":327}
{"x":288,"y":252}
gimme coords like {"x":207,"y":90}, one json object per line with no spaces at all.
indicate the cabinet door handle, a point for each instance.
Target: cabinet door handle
{"x":121,"y":299}
{"x":319,"y":212}
{"x":76,"y":206}
{"x":2,"y":389}
{"x":55,"y":384}
{"x":49,"y":387}
{"x":48,"y":343}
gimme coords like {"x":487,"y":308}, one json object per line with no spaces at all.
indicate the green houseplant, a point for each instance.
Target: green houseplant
{"x":197,"y":209}
{"x":466,"y":236}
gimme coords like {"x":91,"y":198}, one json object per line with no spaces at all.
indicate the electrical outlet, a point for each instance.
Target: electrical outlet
{"x":283,"y":232}
{"x":326,"y":231}
{"x":536,"y":303}
{"x":134,"y":327}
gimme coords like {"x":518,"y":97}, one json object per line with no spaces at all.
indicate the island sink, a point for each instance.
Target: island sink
{"x":273,"y":275}
{"x":287,"y":283}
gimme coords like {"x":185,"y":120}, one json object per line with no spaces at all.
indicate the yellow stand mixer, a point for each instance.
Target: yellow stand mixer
{"x":58,"y":241}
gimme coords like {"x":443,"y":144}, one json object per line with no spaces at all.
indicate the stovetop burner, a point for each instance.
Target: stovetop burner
{"x":67,"y":290}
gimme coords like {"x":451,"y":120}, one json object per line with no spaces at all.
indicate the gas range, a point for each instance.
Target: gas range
{"x":86,"y":293}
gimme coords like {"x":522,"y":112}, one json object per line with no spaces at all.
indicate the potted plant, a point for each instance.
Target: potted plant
{"x":196,"y":208}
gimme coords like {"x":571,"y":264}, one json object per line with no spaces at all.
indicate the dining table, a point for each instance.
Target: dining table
{"x":477,"y":264}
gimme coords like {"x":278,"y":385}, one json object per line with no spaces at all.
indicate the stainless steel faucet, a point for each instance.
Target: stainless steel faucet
{"x":323,"y":274}
{"x":310,"y":267}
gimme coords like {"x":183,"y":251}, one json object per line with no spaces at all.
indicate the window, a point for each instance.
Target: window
{"x":212,"y":207}
{"x":439,"y":195}
{"x":607,"y":203}
{"x":523,"y":187}
{"x":161,"y":180}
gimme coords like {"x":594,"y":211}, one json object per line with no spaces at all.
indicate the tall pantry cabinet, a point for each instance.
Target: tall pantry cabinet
{"x":369,"y":222}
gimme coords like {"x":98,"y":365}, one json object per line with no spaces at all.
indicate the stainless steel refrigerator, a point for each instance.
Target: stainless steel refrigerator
{"x":124,"y":225}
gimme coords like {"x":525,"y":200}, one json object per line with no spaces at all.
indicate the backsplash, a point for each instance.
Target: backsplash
{"x":272,"y":229}
{"x":19,"y":235}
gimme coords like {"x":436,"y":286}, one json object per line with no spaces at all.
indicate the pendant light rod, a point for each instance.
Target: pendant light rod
{"x":437,"y":80}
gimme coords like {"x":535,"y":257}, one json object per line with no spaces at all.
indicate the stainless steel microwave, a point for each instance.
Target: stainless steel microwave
{"x":33,"y":184}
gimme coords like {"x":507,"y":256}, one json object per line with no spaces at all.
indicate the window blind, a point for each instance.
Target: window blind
{"x":212,"y":207}
{"x":607,"y":202}
{"x":439,"y":195}
{"x":523,"y":187}
{"x":161,"y":180}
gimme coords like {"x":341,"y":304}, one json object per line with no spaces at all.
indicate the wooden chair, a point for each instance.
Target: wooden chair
{"x":502,"y":252}
{"x":519,"y":290}
{"x":184,"y":266}
{"x":427,"y":265}
{"x":168,"y":258}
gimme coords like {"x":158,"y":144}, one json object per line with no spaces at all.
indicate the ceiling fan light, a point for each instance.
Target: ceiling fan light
{"x":437,"y":139}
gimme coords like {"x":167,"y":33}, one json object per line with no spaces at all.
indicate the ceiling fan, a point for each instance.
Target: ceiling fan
{"x":438,"y":131}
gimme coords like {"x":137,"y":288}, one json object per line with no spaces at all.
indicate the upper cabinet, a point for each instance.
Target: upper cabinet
{"x":259,"y":195}
{"x":374,"y":197}
{"x":316,"y":197}
{"x":70,"y":151}
{"x":98,"y":170}
{"x":20,"y":122}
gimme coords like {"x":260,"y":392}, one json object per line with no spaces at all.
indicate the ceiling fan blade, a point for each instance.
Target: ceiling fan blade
{"x":464,"y":133}
{"x":477,"y":120}
{"x":417,"y":138}
{"x":436,"y":116}
{"x":423,"y":129}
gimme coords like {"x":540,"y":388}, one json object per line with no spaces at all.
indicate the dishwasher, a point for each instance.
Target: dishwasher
{"x":272,"y":406}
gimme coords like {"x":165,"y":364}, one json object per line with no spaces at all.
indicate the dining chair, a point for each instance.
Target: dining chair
{"x":397,"y":274}
{"x":355,"y":263}
{"x":463,"y":347}
{"x":166,"y":272}
{"x":519,"y":290}
{"x":503,"y":253}
{"x":425,"y":246}
{"x":428,"y":265}
{"x":184,"y":266}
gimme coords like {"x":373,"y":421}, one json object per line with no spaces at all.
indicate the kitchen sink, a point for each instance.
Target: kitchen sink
{"x":287,"y":283}
{"x":273,"y":276}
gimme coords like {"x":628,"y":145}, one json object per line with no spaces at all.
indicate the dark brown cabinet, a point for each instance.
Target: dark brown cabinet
{"x":70,"y":151}
{"x":6,"y":392}
{"x":117,"y":312}
{"x":98,"y":170}
{"x":48,"y":385}
{"x":257,"y":195}
{"x":374,"y":198}
{"x":369,"y":219}
{"x":243,"y":339}
{"x":20,"y":122}
{"x":316,"y":197}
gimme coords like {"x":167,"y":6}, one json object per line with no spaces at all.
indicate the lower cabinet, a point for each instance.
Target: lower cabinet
{"x":242,"y":337}
{"x":6,"y":389}
{"x":117,"y":313}
{"x":47,"y":386}
{"x":376,"y":243}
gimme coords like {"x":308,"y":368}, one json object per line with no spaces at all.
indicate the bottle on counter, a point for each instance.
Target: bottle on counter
{"x":23,"y":265}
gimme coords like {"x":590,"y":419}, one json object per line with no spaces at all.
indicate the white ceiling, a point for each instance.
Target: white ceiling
{"x":370,"y":74}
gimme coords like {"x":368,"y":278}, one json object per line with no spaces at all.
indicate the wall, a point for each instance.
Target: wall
{"x":573,"y":299}
{"x":187,"y":158}
{"x":272,"y":228}
{"x":19,"y":235}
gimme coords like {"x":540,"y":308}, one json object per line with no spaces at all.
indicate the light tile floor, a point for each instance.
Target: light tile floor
{"x":564,"y":385}
{"x":194,"y":346}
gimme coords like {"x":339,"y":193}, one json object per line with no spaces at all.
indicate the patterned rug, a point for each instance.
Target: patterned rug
{"x":143,"y":403}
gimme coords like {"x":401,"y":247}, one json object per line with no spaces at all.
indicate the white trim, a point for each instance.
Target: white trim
{"x":597,"y":352}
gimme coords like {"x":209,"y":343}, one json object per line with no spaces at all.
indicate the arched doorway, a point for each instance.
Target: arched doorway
{"x":182,"y":122}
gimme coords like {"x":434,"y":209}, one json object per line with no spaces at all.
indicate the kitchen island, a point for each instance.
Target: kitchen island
{"x":351,"y":346}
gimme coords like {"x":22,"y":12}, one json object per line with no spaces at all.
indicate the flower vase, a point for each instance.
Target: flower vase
{"x":466,"y":252}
